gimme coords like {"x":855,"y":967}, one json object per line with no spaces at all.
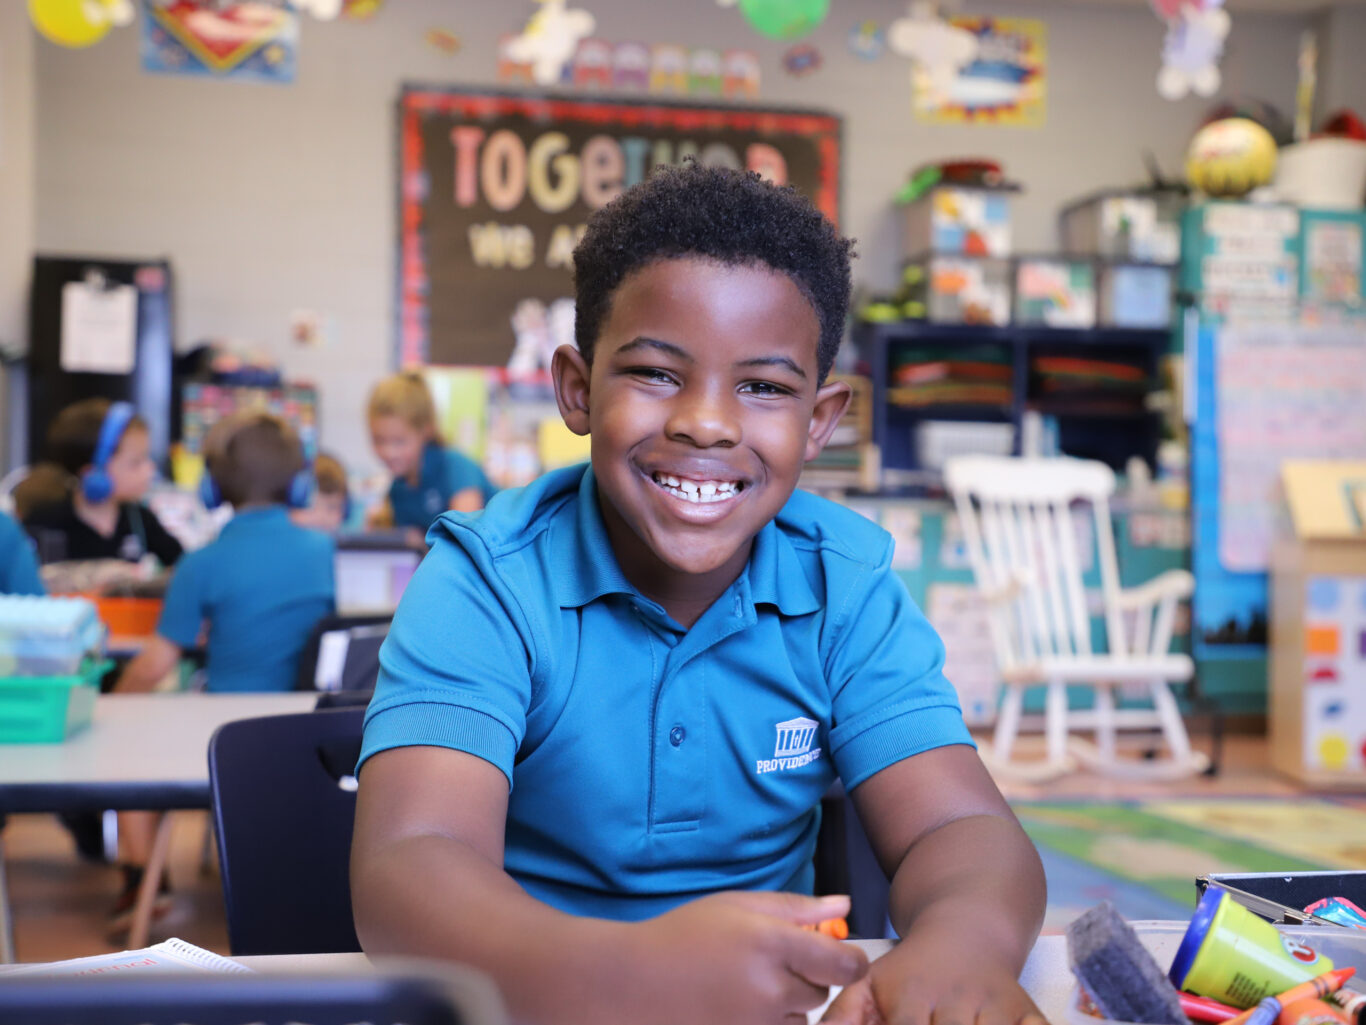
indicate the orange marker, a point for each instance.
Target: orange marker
{"x":837,"y":928}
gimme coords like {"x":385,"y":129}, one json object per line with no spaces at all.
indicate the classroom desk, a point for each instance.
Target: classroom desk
{"x":141,"y":752}
{"x":1046,"y":976}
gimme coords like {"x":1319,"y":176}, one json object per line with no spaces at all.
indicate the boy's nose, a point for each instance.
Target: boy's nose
{"x":703,"y":419}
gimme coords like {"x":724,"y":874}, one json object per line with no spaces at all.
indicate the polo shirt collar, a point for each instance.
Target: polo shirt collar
{"x":587,"y":569}
{"x":776,"y":576}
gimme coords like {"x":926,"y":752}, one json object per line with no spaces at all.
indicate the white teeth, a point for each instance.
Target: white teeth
{"x":700,"y":492}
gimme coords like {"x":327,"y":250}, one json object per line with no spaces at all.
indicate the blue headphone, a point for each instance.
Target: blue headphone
{"x":95,"y":482}
{"x":299,"y":496}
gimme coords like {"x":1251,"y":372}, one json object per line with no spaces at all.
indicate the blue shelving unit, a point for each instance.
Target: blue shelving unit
{"x":1106,"y":435}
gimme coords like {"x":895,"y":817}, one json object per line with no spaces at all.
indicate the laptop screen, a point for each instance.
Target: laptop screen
{"x":371,"y":579}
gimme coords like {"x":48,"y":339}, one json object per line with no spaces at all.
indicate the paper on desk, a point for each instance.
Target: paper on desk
{"x":99,"y":328}
{"x":173,"y":955}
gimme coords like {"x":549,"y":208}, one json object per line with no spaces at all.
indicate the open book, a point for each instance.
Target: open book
{"x":171,"y":955}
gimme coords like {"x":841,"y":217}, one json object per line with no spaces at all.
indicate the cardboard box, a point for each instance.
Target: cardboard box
{"x":1318,"y":626}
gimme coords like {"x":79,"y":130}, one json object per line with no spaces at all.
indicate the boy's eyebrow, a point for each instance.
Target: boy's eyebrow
{"x":774,"y":361}
{"x":654,"y":343}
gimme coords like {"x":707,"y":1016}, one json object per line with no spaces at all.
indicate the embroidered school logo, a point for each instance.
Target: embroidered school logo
{"x":794,"y":747}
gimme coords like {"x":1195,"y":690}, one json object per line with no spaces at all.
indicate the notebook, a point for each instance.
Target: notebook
{"x":173,"y":955}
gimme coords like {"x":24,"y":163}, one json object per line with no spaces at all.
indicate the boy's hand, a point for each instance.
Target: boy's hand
{"x":742,"y":958}
{"x":920,"y":982}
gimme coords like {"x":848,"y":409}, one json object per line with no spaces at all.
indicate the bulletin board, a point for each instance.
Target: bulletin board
{"x":1265,"y":394}
{"x":495,"y":189}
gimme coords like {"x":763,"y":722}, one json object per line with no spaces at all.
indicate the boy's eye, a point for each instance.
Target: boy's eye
{"x":766,"y":389}
{"x":651,"y":374}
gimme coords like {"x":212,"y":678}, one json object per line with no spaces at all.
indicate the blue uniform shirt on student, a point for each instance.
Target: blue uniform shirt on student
{"x":653,"y":765}
{"x":444,"y":473}
{"x":18,"y":564}
{"x":262,"y":586}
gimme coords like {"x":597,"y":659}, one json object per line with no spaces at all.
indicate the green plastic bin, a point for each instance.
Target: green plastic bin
{"x":48,"y":709}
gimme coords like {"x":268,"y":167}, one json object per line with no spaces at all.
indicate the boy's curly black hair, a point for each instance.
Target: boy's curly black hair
{"x":714,"y":213}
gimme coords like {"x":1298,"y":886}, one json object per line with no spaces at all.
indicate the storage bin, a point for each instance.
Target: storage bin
{"x":48,"y":709}
{"x":1142,"y":226}
{"x":958,"y":220}
{"x":1135,"y":296}
{"x":46,"y":636}
{"x":938,"y":441}
{"x":1055,"y":292}
{"x":965,"y":290}
{"x":1283,"y":896}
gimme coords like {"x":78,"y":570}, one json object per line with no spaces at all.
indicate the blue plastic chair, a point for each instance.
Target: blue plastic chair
{"x":284,"y":804}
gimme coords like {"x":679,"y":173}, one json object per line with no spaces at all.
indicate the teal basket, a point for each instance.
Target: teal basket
{"x":48,"y":709}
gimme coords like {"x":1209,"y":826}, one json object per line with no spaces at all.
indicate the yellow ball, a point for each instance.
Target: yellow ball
{"x":1230,"y":158}
{"x":64,"y":22}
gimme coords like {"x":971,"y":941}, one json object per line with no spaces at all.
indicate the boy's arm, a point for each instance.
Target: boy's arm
{"x":149,"y":666}
{"x":427,"y":879}
{"x":967,"y":897}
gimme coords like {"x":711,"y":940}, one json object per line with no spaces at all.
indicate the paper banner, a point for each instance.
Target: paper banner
{"x":1004,"y":84}
{"x":248,"y":41}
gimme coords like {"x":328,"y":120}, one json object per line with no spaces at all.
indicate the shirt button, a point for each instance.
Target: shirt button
{"x":676,"y":735}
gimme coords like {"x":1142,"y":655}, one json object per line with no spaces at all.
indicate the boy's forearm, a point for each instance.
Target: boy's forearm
{"x":975,"y":883}
{"x":551,"y":967}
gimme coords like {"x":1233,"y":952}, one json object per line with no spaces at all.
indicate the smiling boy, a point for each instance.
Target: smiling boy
{"x":610,"y":704}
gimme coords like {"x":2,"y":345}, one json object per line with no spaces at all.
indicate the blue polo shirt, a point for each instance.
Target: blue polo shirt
{"x":18,"y":564}
{"x":445,"y":473}
{"x":652,"y":764}
{"x":262,"y":586}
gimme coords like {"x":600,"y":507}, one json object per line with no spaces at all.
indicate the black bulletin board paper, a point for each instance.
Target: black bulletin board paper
{"x":495,"y":188}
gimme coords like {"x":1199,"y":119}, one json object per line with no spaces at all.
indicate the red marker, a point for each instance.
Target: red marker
{"x":1204,"y":1009}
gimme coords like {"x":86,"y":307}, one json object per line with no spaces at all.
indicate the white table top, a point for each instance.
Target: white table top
{"x":136,"y":743}
{"x":1046,"y":976}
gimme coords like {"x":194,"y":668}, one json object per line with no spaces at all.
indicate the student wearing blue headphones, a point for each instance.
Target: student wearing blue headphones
{"x":99,"y":451}
{"x":330,"y":507}
{"x":255,"y":593}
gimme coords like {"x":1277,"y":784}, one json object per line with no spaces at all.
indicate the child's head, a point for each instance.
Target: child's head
{"x":328,"y":508}
{"x":710,"y":307}
{"x":253,"y":459}
{"x":402,"y":420}
{"x":105,"y":447}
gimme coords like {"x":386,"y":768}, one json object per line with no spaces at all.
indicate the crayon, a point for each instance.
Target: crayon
{"x":1266,"y":1012}
{"x":1204,"y":1009}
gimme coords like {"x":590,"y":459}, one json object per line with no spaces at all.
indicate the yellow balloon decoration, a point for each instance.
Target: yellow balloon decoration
{"x":1230,"y":158}
{"x":64,"y":22}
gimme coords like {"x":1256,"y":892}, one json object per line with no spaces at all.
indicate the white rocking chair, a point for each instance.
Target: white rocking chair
{"x":1016,"y":516}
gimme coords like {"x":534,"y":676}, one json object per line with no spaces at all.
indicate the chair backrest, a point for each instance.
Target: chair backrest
{"x":1018,"y":526}
{"x":342,"y":653}
{"x":284,"y":803}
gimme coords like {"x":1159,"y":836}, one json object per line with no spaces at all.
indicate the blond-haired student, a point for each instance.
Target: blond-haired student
{"x":428,"y":477}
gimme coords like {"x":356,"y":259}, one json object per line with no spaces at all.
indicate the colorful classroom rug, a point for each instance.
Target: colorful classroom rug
{"x":1143,"y":856}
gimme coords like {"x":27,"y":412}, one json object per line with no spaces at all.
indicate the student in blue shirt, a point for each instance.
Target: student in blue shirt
{"x":609,"y":704}
{"x":428,"y":478}
{"x":18,"y":564}
{"x":260,"y":588}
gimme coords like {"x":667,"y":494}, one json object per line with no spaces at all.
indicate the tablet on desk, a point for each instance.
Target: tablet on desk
{"x":371,"y":572}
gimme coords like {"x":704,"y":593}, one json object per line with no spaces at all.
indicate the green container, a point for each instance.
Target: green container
{"x":48,"y":709}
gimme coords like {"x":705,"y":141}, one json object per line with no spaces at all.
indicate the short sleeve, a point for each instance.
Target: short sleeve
{"x":891,"y":699}
{"x":160,"y":541}
{"x":463,"y":472}
{"x":186,"y":605}
{"x":455,"y":670}
{"x":19,"y":572}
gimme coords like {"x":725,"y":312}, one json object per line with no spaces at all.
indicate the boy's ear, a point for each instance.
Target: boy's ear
{"x":832,"y":399}
{"x":570,"y":374}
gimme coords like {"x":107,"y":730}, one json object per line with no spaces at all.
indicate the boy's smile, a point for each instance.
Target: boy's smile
{"x":703,"y":406}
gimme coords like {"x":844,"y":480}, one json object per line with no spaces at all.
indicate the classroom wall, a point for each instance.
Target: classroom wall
{"x":271,"y":198}
{"x":1342,"y":73}
{"x":16,"y":189}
